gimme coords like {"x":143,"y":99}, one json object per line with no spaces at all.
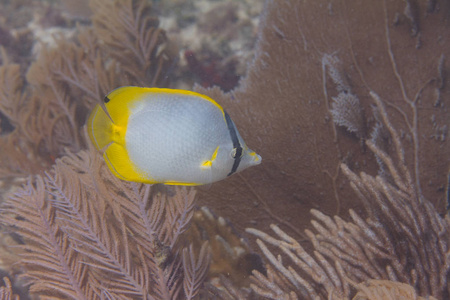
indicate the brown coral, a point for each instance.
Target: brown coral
{"x":48,"y":109}
{"x":6,"y":292}
{"x":403,"y":239}
{"x":308,"y":79}
{"x":88,"y":234}
{"x":303,"y":68}
{"x":284,"y":107}
{"x":385,"y":289}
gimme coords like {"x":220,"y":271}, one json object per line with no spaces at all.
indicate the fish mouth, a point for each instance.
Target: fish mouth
{"x":255,"y":158}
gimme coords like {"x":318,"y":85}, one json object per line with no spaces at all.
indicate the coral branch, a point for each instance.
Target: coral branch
{"x":404,"y":239}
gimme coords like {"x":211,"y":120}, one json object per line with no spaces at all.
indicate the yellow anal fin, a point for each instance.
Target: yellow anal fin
{"x":182,"y":183}
{"x":118,"y":161}
{"x":207,"y":164}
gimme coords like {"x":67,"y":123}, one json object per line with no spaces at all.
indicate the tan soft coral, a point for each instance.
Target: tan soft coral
{"x":84,"y":233}
{"x":311,"y":105}
{"x":287,"y":108}
{"x":49,"y":107}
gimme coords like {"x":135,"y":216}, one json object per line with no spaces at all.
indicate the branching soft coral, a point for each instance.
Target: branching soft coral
{"x":49,"y":108}
{"x":146,"y":54}
{"x":403,"y":239}
{"x":88,"y":234}
{"x":6,"y":292}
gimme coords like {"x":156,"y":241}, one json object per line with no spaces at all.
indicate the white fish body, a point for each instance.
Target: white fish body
{"x":168,"y":136}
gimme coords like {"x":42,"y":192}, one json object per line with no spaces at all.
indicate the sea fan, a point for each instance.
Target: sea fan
{"x":404,"y":239}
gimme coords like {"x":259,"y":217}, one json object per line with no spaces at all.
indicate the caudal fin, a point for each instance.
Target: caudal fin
{"x":100,"y":128}
{"x":109,"y":138}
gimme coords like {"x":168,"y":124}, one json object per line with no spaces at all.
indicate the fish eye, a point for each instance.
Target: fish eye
{"x":237,"y":152}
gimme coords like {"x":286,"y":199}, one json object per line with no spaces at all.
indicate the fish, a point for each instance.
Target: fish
{"x":167,"y":136}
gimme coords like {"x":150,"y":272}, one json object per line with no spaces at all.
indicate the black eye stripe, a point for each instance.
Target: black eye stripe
{"x":235,"y":141}
{"x":238,"y":152}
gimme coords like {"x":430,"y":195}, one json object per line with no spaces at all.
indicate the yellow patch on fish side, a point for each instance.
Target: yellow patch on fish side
{"x":207,"y":164}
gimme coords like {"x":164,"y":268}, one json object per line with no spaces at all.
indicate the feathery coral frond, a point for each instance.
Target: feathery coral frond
{"x":195,"y":271}
{"x":6,"y":292}
{"x":67,"y":79}
{"x":110,"y":237}
{"x":130,"y":31}
{"x":52,"y":263}
{"x":11,"y":85}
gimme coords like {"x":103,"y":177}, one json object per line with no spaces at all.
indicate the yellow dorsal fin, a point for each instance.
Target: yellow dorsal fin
{"x":127,"y":94}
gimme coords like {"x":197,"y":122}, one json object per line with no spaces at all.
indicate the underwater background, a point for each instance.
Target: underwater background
{"x":346,"y":101}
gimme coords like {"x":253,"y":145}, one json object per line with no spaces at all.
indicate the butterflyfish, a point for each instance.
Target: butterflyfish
{"x":168,"y":136}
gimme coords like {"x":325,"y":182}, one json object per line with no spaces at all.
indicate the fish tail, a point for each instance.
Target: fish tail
{"x":100,"y":128}
{"x":109,"y":138}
